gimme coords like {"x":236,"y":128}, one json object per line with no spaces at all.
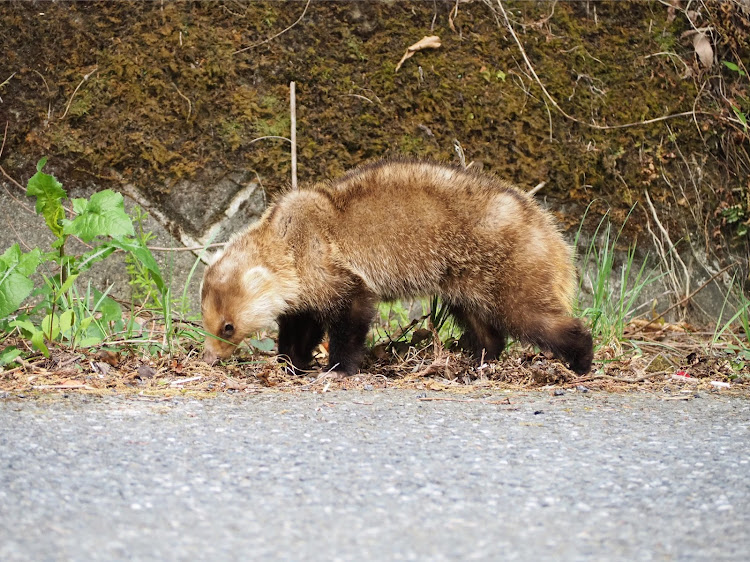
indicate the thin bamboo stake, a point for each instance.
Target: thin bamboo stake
{"x":293,"y":112}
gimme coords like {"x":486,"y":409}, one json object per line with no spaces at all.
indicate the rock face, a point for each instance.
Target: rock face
{"x":166,"y":102}
{"x":198,"y":214}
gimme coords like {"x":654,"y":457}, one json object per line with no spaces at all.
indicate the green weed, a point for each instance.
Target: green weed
{"x":61,"y":312}
{"x":393,"y":324}
{"x":613,"y":297}
{"x":741,"y":317}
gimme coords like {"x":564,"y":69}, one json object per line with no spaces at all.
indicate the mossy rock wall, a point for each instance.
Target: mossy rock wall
{"x":176,"y":93}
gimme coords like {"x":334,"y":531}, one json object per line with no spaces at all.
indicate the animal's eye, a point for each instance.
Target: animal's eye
{"x":228,"y":329}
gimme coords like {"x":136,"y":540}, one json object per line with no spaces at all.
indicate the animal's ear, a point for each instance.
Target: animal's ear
{"x":256,"y":276}
{"x":214,"y":257}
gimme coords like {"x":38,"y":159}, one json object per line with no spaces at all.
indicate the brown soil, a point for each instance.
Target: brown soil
{"x":668,"y":361}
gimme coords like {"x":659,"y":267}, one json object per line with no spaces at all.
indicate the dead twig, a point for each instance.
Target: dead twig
{"x":552,"y":100}
{"x":671,"y":250}
{"x":73,"y":95}
{"x":183,"y":381}
{"x":299,"y":19}
{"x":49,"y":95}
{"x":270,"y":137}
{"x":190,"y":104}
{"x":536,"y":189}
{"x":187,"y":248}
{"x":5,"y":135}
{"x":685,"y":300}
{"x":5,"y":82}
{"x":13,"y":181}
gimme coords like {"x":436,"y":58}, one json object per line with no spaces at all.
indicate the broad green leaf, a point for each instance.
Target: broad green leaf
{"x":109,"y":308}
{"x":25,"y":264}
{"x":89,"y":341}
{"x":266,"y":344}
{"x":48,"y":192}
{"x":79,"y":205}
{"x":27,"y":328}
{"x":11,"y":257}
{"x":84,"y":324}
{"x":37,"y":342}
{"x":66,"y":322}
{"x":29,"y":262}
{"x":9,"y":354}
{"x":51,"y":326}
{"x":14,"y":288}
{"x":734,"y":67}
{"x":92,"y":256}
{"x":15,"y":270}
{"x":103,"y":216}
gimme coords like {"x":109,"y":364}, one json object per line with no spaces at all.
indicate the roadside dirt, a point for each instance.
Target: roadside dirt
{"x":669,"y":361}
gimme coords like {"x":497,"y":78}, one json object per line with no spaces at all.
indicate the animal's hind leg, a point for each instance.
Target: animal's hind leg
{"x":481,"y":337}
{"x":566,"y":338}
{"x":348,"y":330}
{"x":299,"y":333}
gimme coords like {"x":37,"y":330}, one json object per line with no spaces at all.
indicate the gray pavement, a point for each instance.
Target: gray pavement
{"x":375,"y":475}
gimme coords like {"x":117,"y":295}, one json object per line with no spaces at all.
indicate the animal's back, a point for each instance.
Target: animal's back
{"x":416,"y":228}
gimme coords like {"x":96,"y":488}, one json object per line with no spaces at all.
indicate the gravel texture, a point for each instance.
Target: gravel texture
{"x":376,"y":475}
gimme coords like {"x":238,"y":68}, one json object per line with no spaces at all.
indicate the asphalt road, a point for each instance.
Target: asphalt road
{"x":375,"y":475}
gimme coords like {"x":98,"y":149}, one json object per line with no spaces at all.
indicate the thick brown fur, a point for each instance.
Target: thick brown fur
{"x":320,"y":259}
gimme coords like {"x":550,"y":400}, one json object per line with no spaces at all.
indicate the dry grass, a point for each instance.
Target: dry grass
{"x":651,"y":364}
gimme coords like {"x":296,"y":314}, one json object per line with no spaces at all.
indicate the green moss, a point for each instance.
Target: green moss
{"x":170,"y":99}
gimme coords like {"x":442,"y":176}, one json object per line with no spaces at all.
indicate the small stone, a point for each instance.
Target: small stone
{"x":146,"y":372}
{"x":581,"y":388}
{"x":369,"y":387}
{"x":559,"y":392}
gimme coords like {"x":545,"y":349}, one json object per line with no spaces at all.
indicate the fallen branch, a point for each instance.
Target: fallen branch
{"x":186,"y":248}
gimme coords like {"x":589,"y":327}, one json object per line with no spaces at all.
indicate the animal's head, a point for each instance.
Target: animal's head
{"x":238,"y":297}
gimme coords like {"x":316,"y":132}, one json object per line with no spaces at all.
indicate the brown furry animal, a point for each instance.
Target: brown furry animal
{"x":320,"y":259}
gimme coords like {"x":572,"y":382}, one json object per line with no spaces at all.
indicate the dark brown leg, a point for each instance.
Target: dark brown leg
{"x":348,"y":330}
{"x":482,"y":338}
{"x":299,"y":333}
